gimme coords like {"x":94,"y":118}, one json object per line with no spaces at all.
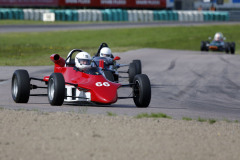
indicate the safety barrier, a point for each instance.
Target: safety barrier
{"x":35,"y":14}
{"x":95,"y":15}
{"x":216,"y":16}
{"x":162,"y":15}
{"x":6,"y":13}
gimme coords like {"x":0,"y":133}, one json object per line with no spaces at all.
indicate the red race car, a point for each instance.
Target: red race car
{"x":68,"y":83}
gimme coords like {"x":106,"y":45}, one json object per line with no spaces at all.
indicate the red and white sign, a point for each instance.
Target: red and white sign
{"x":115,"y":3}
{"x":88,"y":3}
{"x":29,"y":2}
{"x":148,"y":2}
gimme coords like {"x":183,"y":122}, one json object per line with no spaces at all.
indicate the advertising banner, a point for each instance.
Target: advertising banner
{"x":29,"y":3}
{"x":115,"y":3}
{"x":87,"y":3}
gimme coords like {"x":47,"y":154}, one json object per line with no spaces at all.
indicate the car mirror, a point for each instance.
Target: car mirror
{"x":116,"y":58}
{"x":101,"y":63}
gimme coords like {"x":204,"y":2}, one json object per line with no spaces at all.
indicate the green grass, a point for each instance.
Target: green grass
{"x":201,"y":119}
{"x":153,"y":115}
{"x":31,"y":22}
{"x":186,"y":118}
{"x":111,"y":114}
{"x":35,"y":48}
{"x":212,"y":121}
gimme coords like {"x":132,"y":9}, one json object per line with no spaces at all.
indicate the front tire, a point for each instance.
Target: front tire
{"x":132,"y":72}
{"x":203,"y":46}
{"x":227,"y":47}
{"x":56,"y":89}
{"x":20,"y":86}
{"x":138,"y":66}
{"x":141,"y":91}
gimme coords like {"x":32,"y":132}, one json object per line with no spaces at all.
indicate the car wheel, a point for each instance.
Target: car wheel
{"x":138,"y":66}
{"x":232,"y":48}
{"x":132,"y":72}
{"x":56,"y":89}
{"x":109,"y":76}
{"x":203,"y":46}
{"x":20,"y":86}
{"x":141,"y":90}
{"x":227,"y":47}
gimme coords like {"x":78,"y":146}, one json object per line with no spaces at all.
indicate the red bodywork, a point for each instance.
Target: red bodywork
{"x":102,"y":90}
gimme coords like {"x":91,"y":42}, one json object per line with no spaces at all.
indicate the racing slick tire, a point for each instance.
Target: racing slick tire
{"x":56,"y":89}
{"x":203,"y":46}
{"x":227,"y":47}
{"x":20,"y":86}
{"x":132,"y":72}
{"x":138,"y":66}
{"x":232,"y":48}
{"x":141,"y":90}
{"x":109,"y":75}
{"x":207,"y":45}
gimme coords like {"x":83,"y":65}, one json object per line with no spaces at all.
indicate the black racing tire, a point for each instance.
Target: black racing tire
{"x":56,"y":89}
{"x":227,"y":47}
{"x":232,"y":48}
{"x":20,"y":86}
{"x":116,"y":77}
{"x":132,"y":72}
{"x":138,"y":65}
{"x":207,"y":45}
{"x":203,"y":46}
{"x":109,"y":76}
{"x":141,"y":91}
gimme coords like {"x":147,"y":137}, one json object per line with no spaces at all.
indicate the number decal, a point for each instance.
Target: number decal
{"x":100,"y":84}
{"x":106,"y":84}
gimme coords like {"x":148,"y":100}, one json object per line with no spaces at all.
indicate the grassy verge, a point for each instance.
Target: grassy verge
{"x":35,"y":48}
{"x":31,"y":22}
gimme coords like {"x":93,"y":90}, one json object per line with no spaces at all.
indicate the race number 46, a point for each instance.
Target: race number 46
{"x":100,"y":84}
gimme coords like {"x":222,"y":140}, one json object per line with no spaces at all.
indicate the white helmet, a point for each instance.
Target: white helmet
{"x":218,"y":36}
{"x":83,"y":60}
{"x":105,"y":52}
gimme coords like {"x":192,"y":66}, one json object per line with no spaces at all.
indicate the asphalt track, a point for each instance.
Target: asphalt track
{"x":104,"y":25}
{"x":184,"y":84}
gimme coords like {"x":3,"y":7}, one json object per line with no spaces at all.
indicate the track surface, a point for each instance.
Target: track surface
{"x":105,"y":25}
{"x":184,"y":84}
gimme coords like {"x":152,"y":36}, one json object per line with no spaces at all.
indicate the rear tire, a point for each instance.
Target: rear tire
{"x":138,"y":66}
{"x":132,"y":72}
{"x":20,"y":86}
{"x":141,"y":90}
{"x":232,"y":48}
{"x":56,"y":89}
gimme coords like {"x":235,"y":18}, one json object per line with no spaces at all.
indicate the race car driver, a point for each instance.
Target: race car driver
{"x":218,"y":37}
{"x":106,"y":52}
{"x":82,"y":60}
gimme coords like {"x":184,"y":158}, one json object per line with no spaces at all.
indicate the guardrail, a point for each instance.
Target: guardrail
{"x":96,"y":15}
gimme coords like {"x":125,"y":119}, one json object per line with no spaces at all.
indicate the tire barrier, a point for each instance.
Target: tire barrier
{"x":6,"y":13}
{"x":95,"y":15}
{"x":35,"y":14}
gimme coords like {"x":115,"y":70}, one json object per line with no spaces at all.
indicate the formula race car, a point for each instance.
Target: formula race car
{"x":70,"y":84}
{"x":218,"y":44}
{"x":111,"y":66}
